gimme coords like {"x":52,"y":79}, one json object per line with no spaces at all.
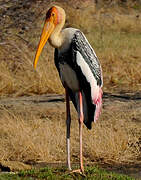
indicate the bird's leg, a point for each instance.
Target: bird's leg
{"x":68,"y":123}
{"x":81,"y":118}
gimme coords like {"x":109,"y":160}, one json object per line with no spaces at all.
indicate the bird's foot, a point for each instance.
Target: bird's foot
{"x":79,"y":171}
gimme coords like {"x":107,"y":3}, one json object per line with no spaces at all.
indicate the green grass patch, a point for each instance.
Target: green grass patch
{"x":61,"y":173}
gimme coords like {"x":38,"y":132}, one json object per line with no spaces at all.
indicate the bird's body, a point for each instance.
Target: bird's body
{"x":79,"y":70}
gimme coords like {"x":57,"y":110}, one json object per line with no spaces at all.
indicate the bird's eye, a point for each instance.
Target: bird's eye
{"x":53,"y":14}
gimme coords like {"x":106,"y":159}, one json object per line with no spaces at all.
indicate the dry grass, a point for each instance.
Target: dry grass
{"x":25,"y":137}
{"x":30,"y":138}
{"x":116,"y":40}
{"x":17,"y":73}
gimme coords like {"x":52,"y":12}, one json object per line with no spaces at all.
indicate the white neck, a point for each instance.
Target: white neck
{"x":56,"y":38}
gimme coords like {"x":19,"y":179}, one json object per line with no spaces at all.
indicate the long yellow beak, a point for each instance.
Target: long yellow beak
{"x":46,"y":32}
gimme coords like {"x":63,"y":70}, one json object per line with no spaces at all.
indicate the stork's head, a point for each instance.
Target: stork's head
{"x":54,"y":18}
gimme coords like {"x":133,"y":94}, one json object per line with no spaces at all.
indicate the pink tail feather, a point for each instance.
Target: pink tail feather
{"x":98,"y":103}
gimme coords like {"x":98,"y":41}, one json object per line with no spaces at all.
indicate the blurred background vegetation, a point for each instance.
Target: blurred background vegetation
{"x":113,"y":27}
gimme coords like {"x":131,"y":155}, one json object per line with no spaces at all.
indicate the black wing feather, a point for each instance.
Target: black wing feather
{"x":80,"y":44}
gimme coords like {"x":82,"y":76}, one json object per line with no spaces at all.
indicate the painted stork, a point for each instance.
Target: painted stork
{"x":79,"y":70}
